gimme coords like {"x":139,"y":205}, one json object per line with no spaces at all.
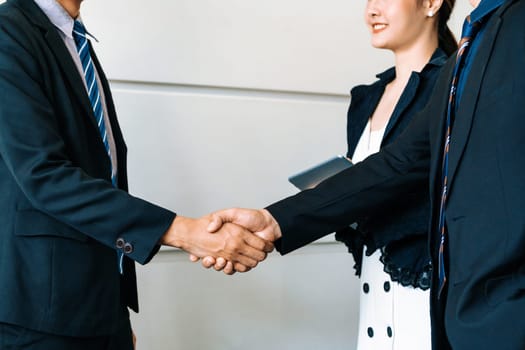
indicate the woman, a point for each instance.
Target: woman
{"x":389,"y":247}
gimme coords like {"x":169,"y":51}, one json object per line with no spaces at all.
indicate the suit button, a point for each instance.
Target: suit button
{"x":366,"y":288}
{"x":389,"y":332}
{"x":386,"y":286}
{"x":370,"y":332}
{"x":128,"y":248}
{"x":120,"y":243}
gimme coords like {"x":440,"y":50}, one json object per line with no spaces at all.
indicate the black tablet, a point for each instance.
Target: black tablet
{"x":310,"y":177}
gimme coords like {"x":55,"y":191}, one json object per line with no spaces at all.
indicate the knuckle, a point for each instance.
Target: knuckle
{"x":252,"y":263}
{"x":259,"y":244}
{"x":232,"y":243}
{"x":241,"y":268}
{"x":234,"y":246}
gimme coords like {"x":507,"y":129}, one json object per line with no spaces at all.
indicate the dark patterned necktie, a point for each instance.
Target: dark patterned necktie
{"x":79,"y":35}
{"x":468,"y":33}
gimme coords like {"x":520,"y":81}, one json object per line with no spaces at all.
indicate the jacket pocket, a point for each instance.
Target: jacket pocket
{"x":507,"y":287}
{"x":32,"y":223}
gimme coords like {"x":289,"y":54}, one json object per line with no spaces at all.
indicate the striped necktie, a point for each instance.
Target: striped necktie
{"x":468,"y":33}
{"x":82,"y":44}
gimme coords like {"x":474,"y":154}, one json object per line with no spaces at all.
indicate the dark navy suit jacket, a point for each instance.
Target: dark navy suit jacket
{"x":484,"y":301}
{"x":400,"y":232}
{"x":60,"y":217}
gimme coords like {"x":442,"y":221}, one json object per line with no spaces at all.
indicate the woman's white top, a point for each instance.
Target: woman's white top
{"x":391,"y":317}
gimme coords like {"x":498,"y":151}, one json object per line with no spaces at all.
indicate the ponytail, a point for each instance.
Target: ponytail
{"x":446,"y":39}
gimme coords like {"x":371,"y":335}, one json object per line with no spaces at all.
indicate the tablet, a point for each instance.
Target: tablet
{"x":310,"y":177}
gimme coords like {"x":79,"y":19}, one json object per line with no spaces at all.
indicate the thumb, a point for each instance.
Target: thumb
{"x":221,"y":217}
{"x":251,"y":219}
{"x":215,"y":223}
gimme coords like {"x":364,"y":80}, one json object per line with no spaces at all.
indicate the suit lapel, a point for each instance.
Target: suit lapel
{"x":57,"y":46}
{"x":120,"y":144}
{"x":71,"y":72}
{"x":364,"y":102}
{"x":404,"y":100}
{"x":112,"y":116}
{"x":467,"y":107}
{"x":437,"y":126}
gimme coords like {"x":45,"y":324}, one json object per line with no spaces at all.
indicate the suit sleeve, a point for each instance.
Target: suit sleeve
{"x":380,"y":180}
{"x":34,"y":153}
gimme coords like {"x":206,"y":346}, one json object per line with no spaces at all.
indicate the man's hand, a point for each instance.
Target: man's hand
{"x":260,"y":222}
{"x":230,"y":241}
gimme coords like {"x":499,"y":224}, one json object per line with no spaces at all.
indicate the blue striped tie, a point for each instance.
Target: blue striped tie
{"x":79,"y":34}
{"x":469,"y":31}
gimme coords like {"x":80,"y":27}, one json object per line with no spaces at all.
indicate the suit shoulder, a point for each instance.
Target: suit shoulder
{"x":514,"y":11}
{"x":10,"y":14}
{"x":20,"y":45}
{"x":16,"y":30}
{"x":13,"y":22}
{"x":518,"y":4}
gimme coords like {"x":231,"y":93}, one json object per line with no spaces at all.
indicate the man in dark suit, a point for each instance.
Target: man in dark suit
{"x":69,"y":231}
{"x":478,"y":298}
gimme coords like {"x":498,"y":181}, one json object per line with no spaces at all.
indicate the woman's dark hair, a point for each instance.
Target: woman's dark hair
{"x":446,"y":40}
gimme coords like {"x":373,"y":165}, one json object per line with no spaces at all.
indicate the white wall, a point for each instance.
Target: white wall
{"x":220,"y":101}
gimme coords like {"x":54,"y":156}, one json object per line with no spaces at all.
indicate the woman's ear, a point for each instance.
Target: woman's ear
{"x":432,"y":7}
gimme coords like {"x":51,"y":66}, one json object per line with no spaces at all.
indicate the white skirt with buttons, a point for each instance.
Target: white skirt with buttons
{"x":391,"y":317}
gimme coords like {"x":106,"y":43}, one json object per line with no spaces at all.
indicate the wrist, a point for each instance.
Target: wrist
{"x":176,"y":233}
{"x":270,"y":220}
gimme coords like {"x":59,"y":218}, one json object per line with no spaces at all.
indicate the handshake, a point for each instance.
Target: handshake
{"x":231,"y":240}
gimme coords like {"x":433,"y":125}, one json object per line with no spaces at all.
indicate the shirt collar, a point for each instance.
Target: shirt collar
{"x":59,"y":17}
{"x":484,"y":8}
{"x":438,"y":59}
